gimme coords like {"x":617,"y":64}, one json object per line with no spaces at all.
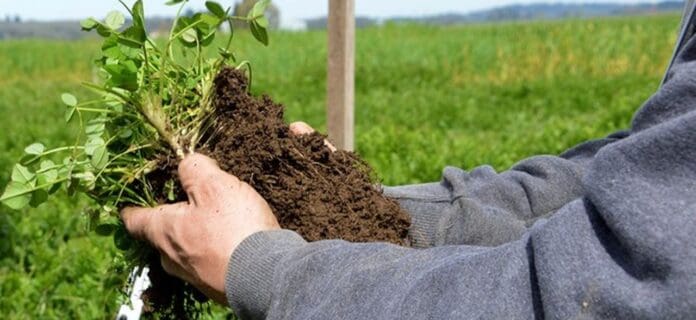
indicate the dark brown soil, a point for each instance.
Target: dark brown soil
{"x":316,"y":192}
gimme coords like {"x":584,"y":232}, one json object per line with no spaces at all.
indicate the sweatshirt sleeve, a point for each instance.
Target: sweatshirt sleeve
{"x":486,"y":208}
{"x":623,"y":249}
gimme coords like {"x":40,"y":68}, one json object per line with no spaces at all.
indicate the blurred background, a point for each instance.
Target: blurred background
{"x":439,"y":82}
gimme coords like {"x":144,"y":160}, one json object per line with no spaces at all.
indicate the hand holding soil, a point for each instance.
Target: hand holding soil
{"x":196,"y":238}
{"x":225,"y":210}
{"x":308,"y":186}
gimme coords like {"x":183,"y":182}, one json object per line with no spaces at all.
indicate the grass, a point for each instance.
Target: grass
{"x":426,"y":97}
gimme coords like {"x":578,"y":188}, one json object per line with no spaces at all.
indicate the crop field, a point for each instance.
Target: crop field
{"x":426,"y":97}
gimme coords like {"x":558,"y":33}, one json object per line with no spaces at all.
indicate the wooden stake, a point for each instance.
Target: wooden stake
{"x":341,"y":73}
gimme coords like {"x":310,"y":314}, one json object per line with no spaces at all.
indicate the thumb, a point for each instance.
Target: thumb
{"x":196,"y":171}
{"x":139,"y":222}
{"x":150,"y":223}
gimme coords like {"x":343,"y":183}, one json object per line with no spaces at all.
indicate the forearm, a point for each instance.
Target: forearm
{"x":486,"y":208}
{"x":560,"y":269}
{"x":341,"y":280}
{"x":620,"y":250}
{"x":617,"y":252}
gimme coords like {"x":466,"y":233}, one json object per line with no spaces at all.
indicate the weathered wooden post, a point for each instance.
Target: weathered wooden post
{"x":341,"y":73}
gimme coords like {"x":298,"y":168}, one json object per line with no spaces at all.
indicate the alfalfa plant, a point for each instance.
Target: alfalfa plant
{"x":153,"y":102}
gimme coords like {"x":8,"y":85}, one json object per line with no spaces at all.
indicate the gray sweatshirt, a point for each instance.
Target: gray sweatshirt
{"x":606,"y":230}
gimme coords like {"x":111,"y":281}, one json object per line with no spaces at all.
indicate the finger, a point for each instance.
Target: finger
{"x":139,"y":221}
{"x":195,"y":171}
{"x":329,"y":145}
{"x":300,"y":128}
{"x":149,"y":223}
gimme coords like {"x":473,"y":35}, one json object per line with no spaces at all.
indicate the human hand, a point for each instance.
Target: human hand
{"x":196,"y":238}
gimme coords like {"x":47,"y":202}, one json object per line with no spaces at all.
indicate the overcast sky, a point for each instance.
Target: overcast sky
{"x":291,"y":10}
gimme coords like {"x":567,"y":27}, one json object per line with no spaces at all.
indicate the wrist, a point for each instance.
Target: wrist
{"x":427,"y":204}
{"x":251,"y":269}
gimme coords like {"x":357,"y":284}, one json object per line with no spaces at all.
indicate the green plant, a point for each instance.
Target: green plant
{"x":153,"y":102}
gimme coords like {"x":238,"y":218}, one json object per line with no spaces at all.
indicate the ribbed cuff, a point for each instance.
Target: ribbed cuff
{"x":249,"y":278}
{"x":427,"y":204}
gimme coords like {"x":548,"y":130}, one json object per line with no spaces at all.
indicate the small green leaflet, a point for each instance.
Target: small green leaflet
{"x":17,"y":195}
{"x":114,"y":20}
{"x":47,"y":176}
{"x":89,"y":24}
{"x":103,"y":30}
{"x":21,"y":191}
{"x":100,"y":157}
{"x":93,"y":144}
{"x":262,"y":21}
{"x":125,"y":134}
{"x":38,"y":197}
{"x":216,"y":9}
{"x":173,"y":2}
{"x":71,"y":102}
{"x":260,"y":8}
{"x":87,"y":179}
{"x":259,"y":32}
{"x":69,"y":112}
{"x":133,"y":37}
{"x":22,"y":174}
{"x":35,"y":149}
{"x":139,"y":15}
{"x":95,"y":127}
{"x":28,"y":159}
{"x":47,"y":172}
{"x":69,"y":99}
{"x":190,"y":36}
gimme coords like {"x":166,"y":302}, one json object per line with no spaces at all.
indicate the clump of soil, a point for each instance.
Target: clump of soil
{"x":318,"y":193}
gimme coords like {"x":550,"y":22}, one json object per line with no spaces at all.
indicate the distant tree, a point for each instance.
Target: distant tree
{"x":243,"y":8}
{"x":17,"y":19}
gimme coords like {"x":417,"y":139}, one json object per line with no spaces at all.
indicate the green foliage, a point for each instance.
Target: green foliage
{"x":114,"y":20}
{"x":216,"y":9}
{"x":150,"y":104}
{"x":267,"y":15}
{"x":35,"y":149}
{"x":426,"y":97}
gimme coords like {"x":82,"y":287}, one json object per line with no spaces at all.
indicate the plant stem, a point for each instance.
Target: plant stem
{"x":132,"y":149}
{"x":97,"y":110}
{"x":248,"y":65}
{"x":152,"y":111}
{"x":43,"y":186}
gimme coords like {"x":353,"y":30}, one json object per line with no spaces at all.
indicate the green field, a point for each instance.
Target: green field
{"x":426,"y":97}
